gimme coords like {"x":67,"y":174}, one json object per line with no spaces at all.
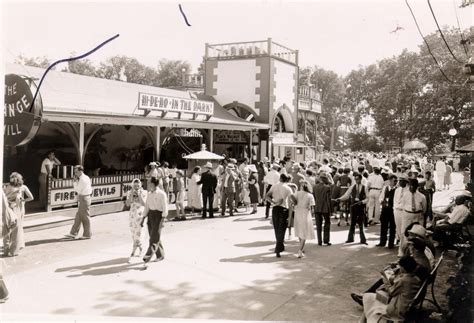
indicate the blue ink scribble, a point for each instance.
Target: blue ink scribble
{"x":68,"y":60}
{"x":184,"y":15}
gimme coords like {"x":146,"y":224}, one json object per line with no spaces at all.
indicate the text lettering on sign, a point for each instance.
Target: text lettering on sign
{"x":171,"y":104}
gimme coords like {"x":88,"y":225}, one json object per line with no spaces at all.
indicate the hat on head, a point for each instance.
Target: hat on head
{"x":323,"y":175}
{"x":79,"y":167}
{"x":208,"y":165}
{"x":276,"y":166}
{"x":233,"y":160}
{"x":252,"y":168}
{"x":153,"y":164}
{"x":403,"y":177}
{"x":418,"y":230}
{"x":265,"y":159}
{"x":230,"y":166}
{"x":466,"y":193}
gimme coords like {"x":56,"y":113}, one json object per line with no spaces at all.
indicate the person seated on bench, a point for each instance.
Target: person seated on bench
{"x":401,"y":289}
{"x":452,"y":221}
{"x":417,"y":246}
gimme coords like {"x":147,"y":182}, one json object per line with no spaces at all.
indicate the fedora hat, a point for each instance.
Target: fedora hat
{"x":230,"y":166}
{"x":418,"y":230}
{"x":208,"y":165}
{"x":252,"y":168}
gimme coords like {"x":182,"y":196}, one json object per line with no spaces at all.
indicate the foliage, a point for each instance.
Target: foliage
{"x":42,"y":62}
{"x":362,"y":141}
{"x":170,"y":72}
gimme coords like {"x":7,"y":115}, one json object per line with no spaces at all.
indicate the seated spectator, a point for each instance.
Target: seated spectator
{"x":401,"y":289}
{"x":451,"y":221}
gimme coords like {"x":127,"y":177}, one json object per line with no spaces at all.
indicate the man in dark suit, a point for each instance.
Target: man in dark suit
{"x":228,"y":189}
{"x":322,"y":209}
{"x":209,"y":184}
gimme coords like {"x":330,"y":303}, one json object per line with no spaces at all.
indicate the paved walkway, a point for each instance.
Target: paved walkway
{"x":221,"y":268}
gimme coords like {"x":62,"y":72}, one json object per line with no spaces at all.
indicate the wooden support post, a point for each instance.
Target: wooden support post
{"x":157,"y":143}
{"x":211,"y":140}
{"x":81,"y":142}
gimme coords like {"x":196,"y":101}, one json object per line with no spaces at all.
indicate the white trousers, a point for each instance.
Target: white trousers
{"x":407,"y":219}
{"x":373,"y":206}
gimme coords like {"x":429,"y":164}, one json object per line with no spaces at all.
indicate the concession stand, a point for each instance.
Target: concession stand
{"x":114,"y":129}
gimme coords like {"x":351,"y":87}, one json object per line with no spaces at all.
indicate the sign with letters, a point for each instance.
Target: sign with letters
{"x":171,"y":104}
{"x":230,"y":137}
{"x":22,"y":120}
{"x":64,"y":196}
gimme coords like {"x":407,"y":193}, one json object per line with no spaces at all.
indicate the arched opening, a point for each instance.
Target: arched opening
{"x":103,"y":151}
{"x":179,"y":142}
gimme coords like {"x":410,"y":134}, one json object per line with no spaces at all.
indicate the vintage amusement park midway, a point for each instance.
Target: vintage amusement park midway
{"x":277,"y":182}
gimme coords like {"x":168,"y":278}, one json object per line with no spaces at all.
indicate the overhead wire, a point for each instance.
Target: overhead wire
{"x":463,"y":41}
{"x":441,"y":33}
{"x":426,"y":43}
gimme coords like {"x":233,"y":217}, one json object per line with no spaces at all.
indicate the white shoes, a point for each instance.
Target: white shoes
{"x":300,"y":254}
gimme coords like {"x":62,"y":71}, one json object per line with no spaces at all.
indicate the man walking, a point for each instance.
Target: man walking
{"x":272,"y":178}
{"x":358,"y":198}
{"x":322,"y":209}
{"x":401,"y":190}
{"x":209,"y":184}
{"x":228,"y":190}
{"x":387,"y":218}
{"x":156,"y":210}
{"x":83,"y":187}
{"x":278,"y":195}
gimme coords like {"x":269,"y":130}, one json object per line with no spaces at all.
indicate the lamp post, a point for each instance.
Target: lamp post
{"x":453,"y":132}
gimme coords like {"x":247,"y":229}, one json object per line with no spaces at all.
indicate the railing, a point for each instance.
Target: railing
{"x":309,"y":92}
{"x":194,"y":80}
{"x":252,"y":49}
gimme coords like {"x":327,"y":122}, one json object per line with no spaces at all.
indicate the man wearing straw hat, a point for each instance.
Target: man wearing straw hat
{"x":228,"y":190}
{"x":209,"y":184}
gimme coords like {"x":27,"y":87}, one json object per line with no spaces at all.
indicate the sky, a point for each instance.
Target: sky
{"x":336,"y":35}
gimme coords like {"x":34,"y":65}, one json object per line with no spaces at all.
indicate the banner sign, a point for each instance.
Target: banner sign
{"x":21,"y":123}
{"x":172,"y":104}
{"x":283,"y":138}
{"x":65,"y":196}
{"x":230,"y":137}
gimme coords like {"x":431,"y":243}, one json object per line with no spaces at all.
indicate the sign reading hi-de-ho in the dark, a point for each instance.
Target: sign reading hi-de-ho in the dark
{"x":21,"y":122}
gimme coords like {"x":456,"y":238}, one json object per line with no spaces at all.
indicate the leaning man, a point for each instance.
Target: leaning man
{"x":46,"y":169}
{"x":83,"y":188}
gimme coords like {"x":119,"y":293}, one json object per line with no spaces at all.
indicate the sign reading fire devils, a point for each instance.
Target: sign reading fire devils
{"x":21,"y":124}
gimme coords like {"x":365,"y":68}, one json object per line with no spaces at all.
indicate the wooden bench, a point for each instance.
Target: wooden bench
{"x":417,"y":304}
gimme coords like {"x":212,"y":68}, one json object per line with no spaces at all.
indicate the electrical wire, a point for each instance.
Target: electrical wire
{"x":441,"y":33}
{"x":463,"y":41}
{"x":426,"y":43}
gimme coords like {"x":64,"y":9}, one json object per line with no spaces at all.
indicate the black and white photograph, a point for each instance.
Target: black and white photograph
{"x":237,"y":161}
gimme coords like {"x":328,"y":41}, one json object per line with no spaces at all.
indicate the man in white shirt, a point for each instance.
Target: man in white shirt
{"x":83,"y":187}
{"x":414,"y":206}
{"x":272,"y":178}
{"x":401,"y":190}
{"x":156,"y":210}
{"x":440,"y":168}
{"x":452,"y":221}
{"x":278,"y":195}
{"x":375,"y":184}
{"x":45,"y":172}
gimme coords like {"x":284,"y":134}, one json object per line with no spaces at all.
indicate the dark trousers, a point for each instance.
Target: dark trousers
{"x":280,"y":223}
{"x":267,"y":208}
{"x":387,"y":224}
{"x":155,"y":224}
{"x":229,"y":198}
{"x":319,"y":226}
{"x":207,"y":197}
{"x":357,"y":217}
{"x":375,"y":286}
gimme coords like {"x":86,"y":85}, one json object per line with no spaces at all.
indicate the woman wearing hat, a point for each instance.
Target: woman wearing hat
{"x":152,"y":172}
{"x":303,"y":221}
{"x":194,"y":190}
{"x":254,"y":189}
{"x":136,"y":199}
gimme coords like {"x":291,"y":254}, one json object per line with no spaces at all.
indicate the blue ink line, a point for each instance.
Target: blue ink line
{"x":67,"y":60}
{"x":184,"y":15}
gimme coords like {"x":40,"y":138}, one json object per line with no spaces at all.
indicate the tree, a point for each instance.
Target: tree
{"x":42,"y":62}
{"x":170,"y":72}
{"x":81,"y":67}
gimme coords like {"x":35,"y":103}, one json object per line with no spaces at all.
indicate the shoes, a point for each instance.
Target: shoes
{"x":339,"y":223}
{"x":159,"y":259}
{"x":84,"y":238}
{"x":70,"y":236}
{"x":357,"y":298}
{"x":300,"y":254}
{"x":211,"y":216}
{"x":203,"y":217}
{"x":222,"y":214}
{"x":391,"y":246}
{"x":349,"y":241}
{"x":320,"y":243}
{"x":145,"y":265}
{"x":278,"y":255}
{"x":3,"y":300}
{"x":380,"y":245}
{"x":347,"y":224}
{"x":328,"y":243}
{"x":364,"y":242}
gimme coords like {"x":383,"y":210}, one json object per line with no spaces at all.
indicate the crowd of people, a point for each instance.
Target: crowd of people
{"x":358,"y":189}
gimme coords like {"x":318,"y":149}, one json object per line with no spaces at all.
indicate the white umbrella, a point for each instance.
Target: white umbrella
{"x":203,"y":155}
{"x":414,"y":144}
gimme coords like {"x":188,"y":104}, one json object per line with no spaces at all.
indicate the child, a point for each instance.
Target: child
{"x":179,"y":196}
{"x":246,"y":195}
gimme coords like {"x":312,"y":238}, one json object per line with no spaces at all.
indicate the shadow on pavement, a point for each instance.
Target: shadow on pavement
{"x":45,"y":241}
{"x":106,"y":263}
{"x":265,"y":227}
{"x":255,"y":244}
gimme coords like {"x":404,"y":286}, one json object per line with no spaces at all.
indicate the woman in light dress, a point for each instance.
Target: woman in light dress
{"x":304,"y":201}
{"x":136,"y":199}
{"x":194,"y":190}
{"x":180,"y":190}
{"x":447,"y":176}
{"x":17,"y":194}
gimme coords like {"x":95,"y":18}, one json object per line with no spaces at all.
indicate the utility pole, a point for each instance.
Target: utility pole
{"x":333,"y":130}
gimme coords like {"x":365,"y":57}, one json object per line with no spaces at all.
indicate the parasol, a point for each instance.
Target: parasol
{"x":414,"y":144}
{"x":466,"y":149}
{"x":203,"y":155}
